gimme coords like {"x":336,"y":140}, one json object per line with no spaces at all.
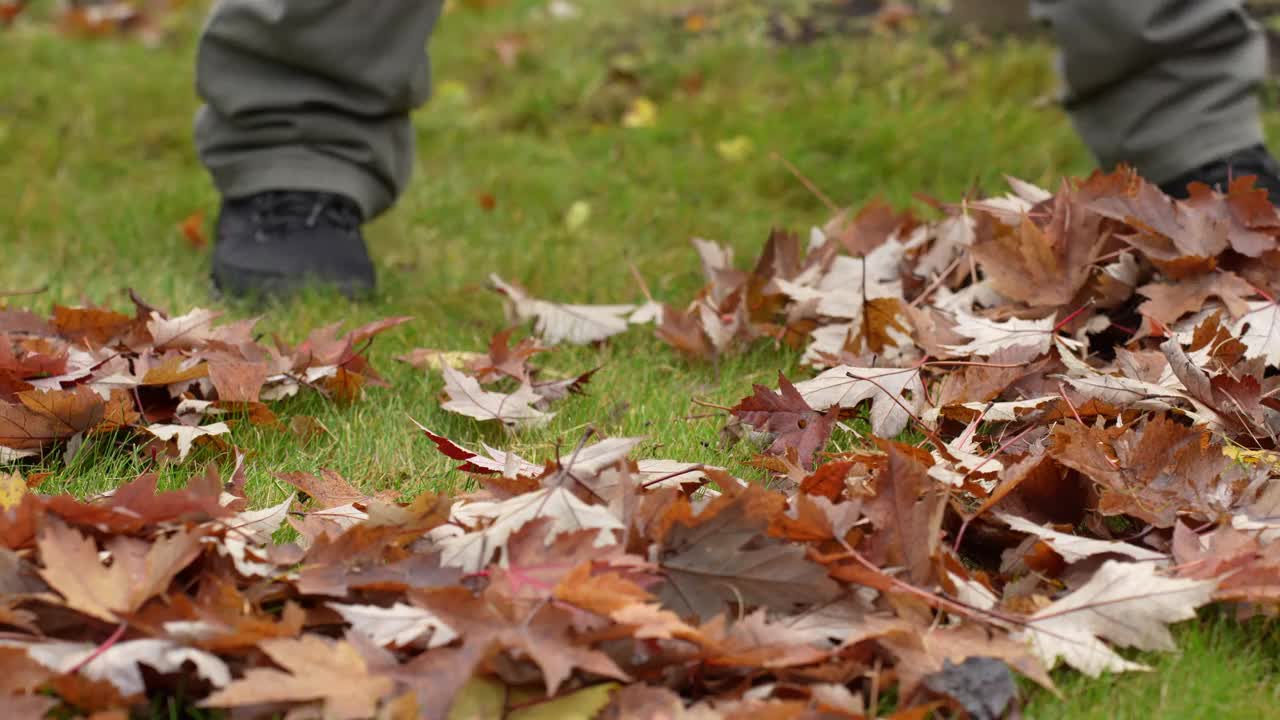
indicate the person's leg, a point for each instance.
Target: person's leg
{"x":1167,"y":86}
{"x":306,"y":114}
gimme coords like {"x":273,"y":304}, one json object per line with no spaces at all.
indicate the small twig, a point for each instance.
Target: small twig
{"x":974,"y":363}
{"x":964,"y":526}
{"x":19,"y":293}
{"x":933,"y":437}
{"x":935,"y":600}
{"x":1004,"y":446}
{"x":562,"y":471}
{"x":696,"y":468}
{"x":806,"y":182}
{"x":874,"y":703}
{"x":1071,"y":317}
{"x":1062,"y":390}
{"x":1270,"y":298}
{"x":942,"y":277}
{"x":703,"y":403}
{"x":967,"y":434}
{"x":1097,"y":262}
{"x":644,"y":287}
{"x":973,"y":263}
{"x":1246,"y":421}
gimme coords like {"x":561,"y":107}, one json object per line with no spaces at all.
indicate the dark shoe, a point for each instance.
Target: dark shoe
{"x":273,"y":244}
{"x":1219,"y":173}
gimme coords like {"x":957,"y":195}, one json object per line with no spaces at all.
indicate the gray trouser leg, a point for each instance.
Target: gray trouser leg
{"x":313,"y":95}
{"x":1163,"y":85}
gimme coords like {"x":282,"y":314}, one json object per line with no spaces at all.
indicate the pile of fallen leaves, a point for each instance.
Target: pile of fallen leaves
{"x":173,"y":380}
{"x":1089,"y":377}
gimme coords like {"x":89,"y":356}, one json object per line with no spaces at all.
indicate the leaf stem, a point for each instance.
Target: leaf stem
{"x":98,"y":651}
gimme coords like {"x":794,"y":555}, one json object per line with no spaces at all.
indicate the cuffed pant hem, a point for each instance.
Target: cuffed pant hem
{"x":1198,"y":147}
{"x":297,"y":168}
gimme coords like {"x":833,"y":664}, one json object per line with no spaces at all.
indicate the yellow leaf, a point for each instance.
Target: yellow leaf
{"x":430,"y":359}
{"x":581,"y":705}
{"x":695,"y":22}
{"x":577,"y":216}
{"x":452,"y":92}
{"x":1251,"y":457}
{"x":485,"y":698}
{"x":12,"y":488}
{"x":479,"y":699}
{"x":643,"y":113}
{"x":736,"y":149}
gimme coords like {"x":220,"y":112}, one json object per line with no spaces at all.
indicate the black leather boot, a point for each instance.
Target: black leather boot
{"x":273,"y":244}
{"x":1219,"y":173}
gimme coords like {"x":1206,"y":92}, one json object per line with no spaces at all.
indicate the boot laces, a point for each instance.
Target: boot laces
{"x":280,"y":212}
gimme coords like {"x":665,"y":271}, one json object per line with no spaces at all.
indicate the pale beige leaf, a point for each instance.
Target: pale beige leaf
{"x":1129,"y":604}
{"x":119,"y":663}
{"x":185,"y":435}
{"x":989,"y":336}
{"x":471,"y":551}
{"x":826,"y":341}
{"x":670,"y":473}
{"x":257,"y":526}
{"x":895,"y":394}
{"x":1010,"y":411}
{"x":183,"y":332}
{"x":398,"y":625}
{"x":317,"y":669}
{"x":841,"y":623}
{"x":1262,"y":517}
{"x":957,"y":462}
{"x":653,"y":622}
{"x":843,"y":291}
{"x":1012,"y":207}
{"x":1121,"y":391}
{"x":249,"y":533}
{"x":1074,"y":548}
{"x":1259,"y":330}
{"x":649,"y":312}
{"x":559,"y":322}
{"x":716,"y":258}
{"x":594,"y":458}
{"x":466,"y":397}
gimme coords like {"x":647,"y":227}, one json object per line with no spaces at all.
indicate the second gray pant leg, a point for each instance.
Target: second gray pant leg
{"x":313,"y":95}
{"x":1163,"y":85}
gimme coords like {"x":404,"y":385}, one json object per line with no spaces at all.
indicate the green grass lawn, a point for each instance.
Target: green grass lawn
{"x":97,"y":170}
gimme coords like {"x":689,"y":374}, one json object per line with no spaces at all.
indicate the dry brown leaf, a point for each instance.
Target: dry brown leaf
{"x":907,"y":513}
{"x":789,"y":418}
{"x":726,"y":558}
{"x":138,"y":571}
{"x":1168,"y":302}
{"x":315,"y":669}
{"x":43,"y":417}
{"x":1042,"y":265}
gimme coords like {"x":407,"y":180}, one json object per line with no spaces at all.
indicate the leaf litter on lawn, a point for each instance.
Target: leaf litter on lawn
{"x":1095,"y":466}
{"x":92,"y":370}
